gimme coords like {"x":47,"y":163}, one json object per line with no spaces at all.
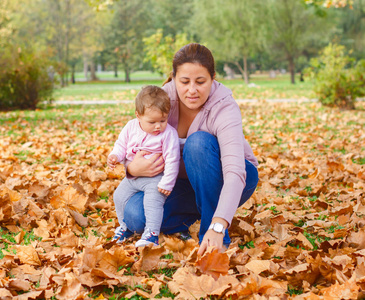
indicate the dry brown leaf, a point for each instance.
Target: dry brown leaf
{"x":348,"y":290}
{"x":149,"y":259}
{"x":79,"y":218}
{"x":258,"y":266}
{"x":179,"y":246}
{"x":28,"y":255}
{"x":255,"y":284}
{"x":213,"y":263}
{"x":69,"y":198}
{"x":115,"y":258}
{"x":189,"y":286}
{"x":29,"y":295}
{"x":5,"y":294}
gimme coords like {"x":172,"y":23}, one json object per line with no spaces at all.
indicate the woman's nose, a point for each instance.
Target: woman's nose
{"x":192,"y":88}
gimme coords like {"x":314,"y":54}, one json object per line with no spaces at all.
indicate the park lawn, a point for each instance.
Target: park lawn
{"x":301,"y":233}
{"x":261,"y":87}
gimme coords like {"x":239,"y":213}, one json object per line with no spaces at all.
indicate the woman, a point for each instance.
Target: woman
{"x":218,"y":168}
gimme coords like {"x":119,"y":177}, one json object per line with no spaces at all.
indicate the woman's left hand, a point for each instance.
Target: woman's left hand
{"x":212,"y":238}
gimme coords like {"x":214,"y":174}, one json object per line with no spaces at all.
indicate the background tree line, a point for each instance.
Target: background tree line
{"x":143,"y":34}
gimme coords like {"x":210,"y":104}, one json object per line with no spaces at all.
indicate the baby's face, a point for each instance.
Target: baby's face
{"x":153,"y":121}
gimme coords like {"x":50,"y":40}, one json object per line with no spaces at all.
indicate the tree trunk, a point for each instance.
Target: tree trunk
{"x":292,"y":69}
{"x":244,"y":70}
{"x":67,"y":36}
{"x":116,"y":70}
{"x":92,"y":71}
{"x":86,"y":67}
{"x":73,"y":81}
{"x":127,"y":75}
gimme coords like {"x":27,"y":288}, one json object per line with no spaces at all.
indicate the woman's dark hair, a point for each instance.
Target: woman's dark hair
{"x":192,"y":53}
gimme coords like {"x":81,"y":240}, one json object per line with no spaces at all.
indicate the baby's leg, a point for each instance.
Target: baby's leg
{"x":153,"y":202}
{"x":121,"y":196}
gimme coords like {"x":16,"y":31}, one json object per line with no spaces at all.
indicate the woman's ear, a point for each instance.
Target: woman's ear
{"x":214,"y":75}
{"x":137,"y":115}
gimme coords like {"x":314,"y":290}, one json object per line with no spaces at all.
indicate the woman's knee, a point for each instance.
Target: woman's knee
{"x":252,"y":176}
{"x":134,"y":213}
{"x":252,"y":180}
{"x":198,"y":143}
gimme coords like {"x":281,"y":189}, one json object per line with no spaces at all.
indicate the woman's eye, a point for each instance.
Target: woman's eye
{"x":200,"y":82}
{"x":184,"y":82}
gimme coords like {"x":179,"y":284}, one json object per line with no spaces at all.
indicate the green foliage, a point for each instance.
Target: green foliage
{"x":160,"y":50}
{"x":248,"y":245}
{"x":338,"y":80}
{"x":292,"y":291}
{"x":30,"y":237}
{"x":24,"y":79}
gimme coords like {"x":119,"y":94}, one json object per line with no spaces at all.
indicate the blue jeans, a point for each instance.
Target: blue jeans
{"x":194,"y":198}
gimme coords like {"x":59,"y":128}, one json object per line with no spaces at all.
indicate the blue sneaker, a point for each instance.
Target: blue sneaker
{"x":185,"y":235}
{"x":148,"y":237}
{"x":121,"y":234}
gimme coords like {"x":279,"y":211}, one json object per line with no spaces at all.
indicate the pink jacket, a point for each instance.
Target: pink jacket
{"x":221,"y":117}
{"x":133,"y":139}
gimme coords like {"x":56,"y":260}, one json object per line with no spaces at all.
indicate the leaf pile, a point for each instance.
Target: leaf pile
{"x":301,"y":235}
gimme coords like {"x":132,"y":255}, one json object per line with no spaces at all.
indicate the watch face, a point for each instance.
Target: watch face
{"x":218,"y":227}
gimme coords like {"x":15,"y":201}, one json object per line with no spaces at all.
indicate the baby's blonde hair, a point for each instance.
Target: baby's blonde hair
{"x":152,"y":96}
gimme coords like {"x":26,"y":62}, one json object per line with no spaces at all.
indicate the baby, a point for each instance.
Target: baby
{"x":149,"y":132}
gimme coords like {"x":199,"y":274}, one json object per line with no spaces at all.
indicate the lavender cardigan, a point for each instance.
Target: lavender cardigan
{"x":221,"y":117}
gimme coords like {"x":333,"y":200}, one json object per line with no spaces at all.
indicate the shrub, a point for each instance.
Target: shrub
{"x":24,"y":79}
{"x":338,"y":79}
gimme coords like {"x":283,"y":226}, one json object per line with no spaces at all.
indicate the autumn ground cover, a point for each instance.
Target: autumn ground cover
{"x":301,"y":235}
{"x":261,"y":87}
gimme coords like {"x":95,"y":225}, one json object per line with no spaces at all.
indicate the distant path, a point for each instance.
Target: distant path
{"x":101,"y":102}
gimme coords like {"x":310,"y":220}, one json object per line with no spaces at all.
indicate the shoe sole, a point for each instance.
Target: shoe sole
{"x":144,"y":243}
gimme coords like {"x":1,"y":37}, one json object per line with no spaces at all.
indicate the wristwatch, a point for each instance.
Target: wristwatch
{"x":217,"y":227}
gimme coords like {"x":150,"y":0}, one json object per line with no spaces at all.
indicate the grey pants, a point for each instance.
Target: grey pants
{"x":153,"y":200}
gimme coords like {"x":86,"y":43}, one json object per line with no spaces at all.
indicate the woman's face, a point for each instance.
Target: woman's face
{"x":193,"y":84}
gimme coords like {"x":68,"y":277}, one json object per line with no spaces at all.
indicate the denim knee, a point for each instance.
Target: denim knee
{"x":134,"y":213}
{"x":198,"y":142}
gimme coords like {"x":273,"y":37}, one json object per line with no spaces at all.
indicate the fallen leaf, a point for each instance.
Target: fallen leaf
{"x":28,"y":255}
{"x":149,"y":259}
{"x":213,"y":263}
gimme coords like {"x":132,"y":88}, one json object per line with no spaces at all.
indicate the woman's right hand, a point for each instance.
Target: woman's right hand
{"x":143,"y":167}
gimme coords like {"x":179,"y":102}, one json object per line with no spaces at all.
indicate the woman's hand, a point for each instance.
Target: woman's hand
{"x":212,"y":238}
{"x":142,"y":167}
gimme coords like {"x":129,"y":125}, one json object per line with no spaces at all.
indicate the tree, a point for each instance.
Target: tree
{"x":172,"y":16}
{"x":293,"y":29}
{"x":160,"y":50}
{"x":330,"y":3}
{"x":125,"y":32}
{"x":352,"y":26}
{"x":231,"y":28}
{"x":7,"y":28}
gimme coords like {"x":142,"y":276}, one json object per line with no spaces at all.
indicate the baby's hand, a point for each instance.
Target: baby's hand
{"x":165,"y":192}
{"x":112,"y":161}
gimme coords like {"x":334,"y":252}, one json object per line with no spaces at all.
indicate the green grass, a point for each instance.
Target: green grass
{"x":110,"y":89}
